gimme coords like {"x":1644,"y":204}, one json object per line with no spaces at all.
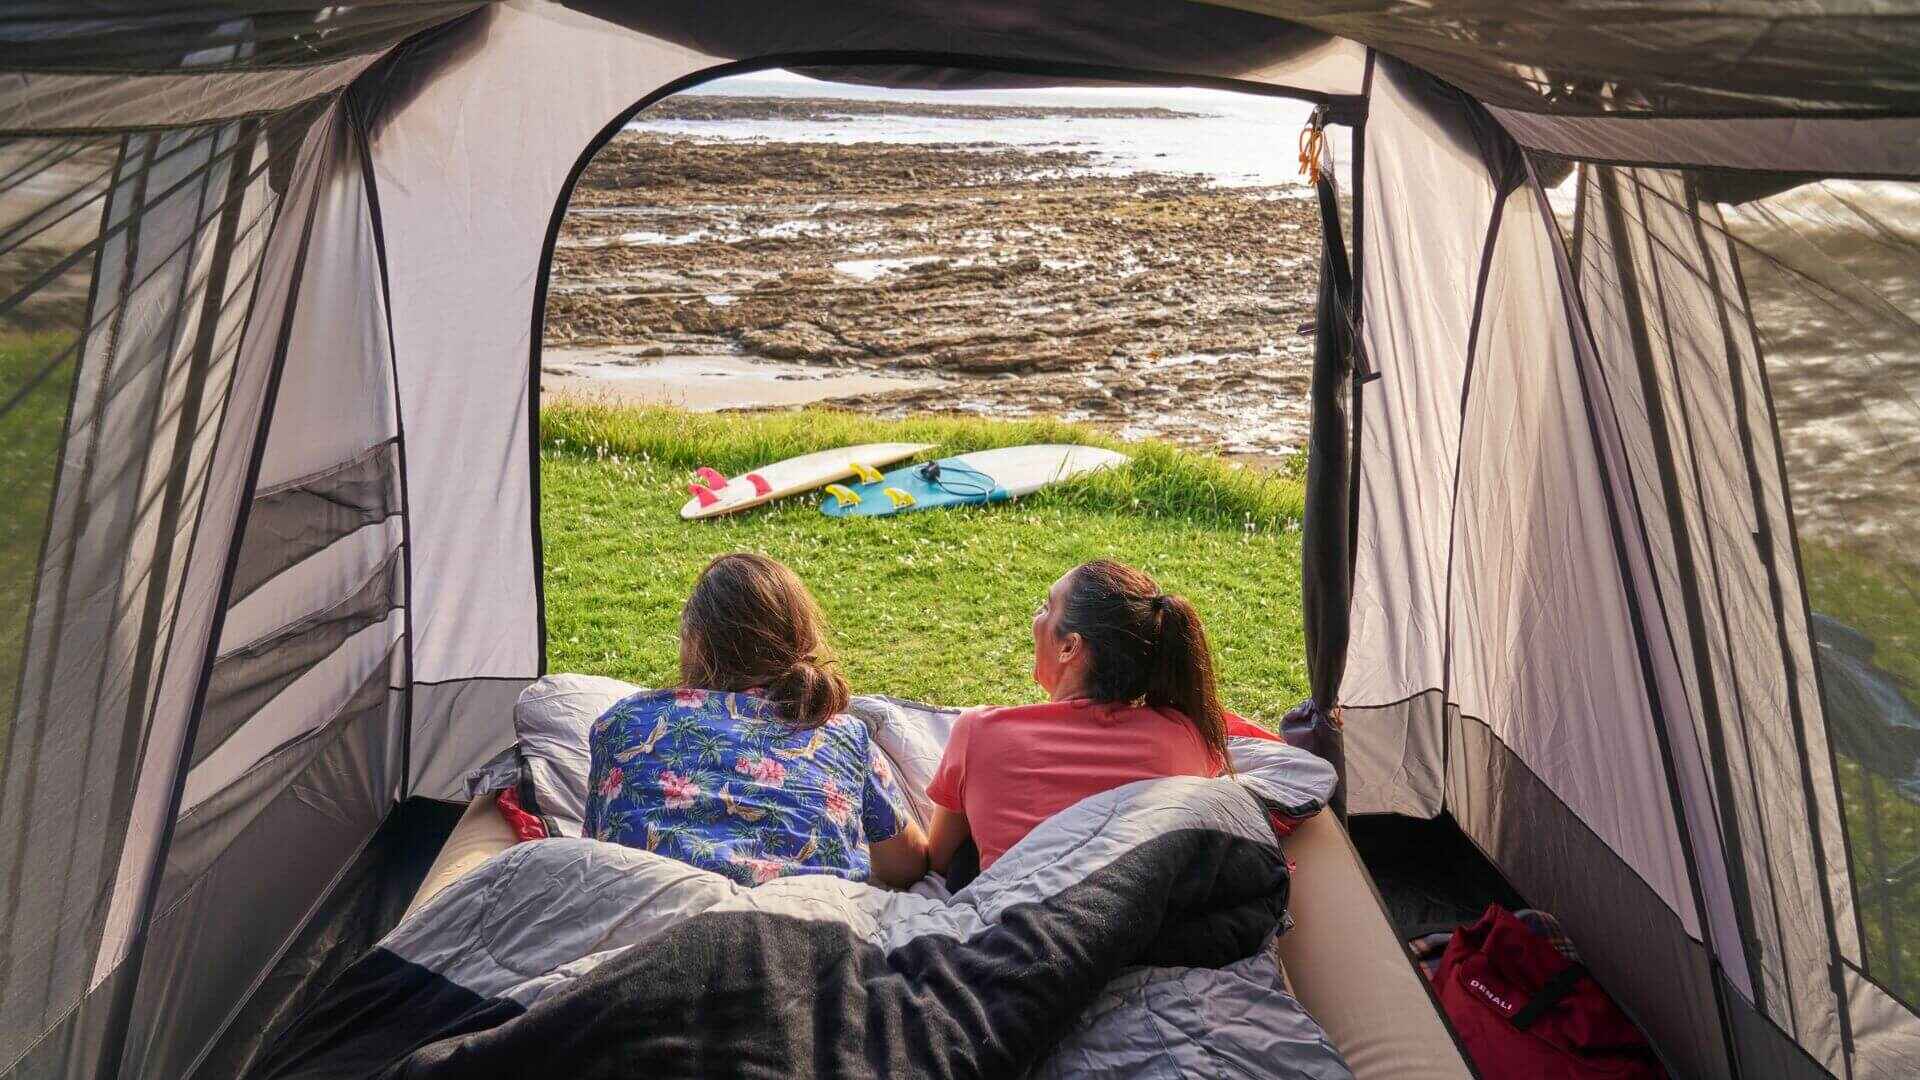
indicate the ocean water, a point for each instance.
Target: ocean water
{"x":1239,"y":140}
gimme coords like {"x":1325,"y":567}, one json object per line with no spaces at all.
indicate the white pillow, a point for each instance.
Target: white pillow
{"x":555,"y":713}
{"x":911,"y":736}
{"x":552,"y":720}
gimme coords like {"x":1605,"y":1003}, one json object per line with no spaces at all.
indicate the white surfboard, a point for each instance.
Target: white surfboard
{"x":984,"y":476}
{"x":1022,"y":470}
{"x":714,"y":495}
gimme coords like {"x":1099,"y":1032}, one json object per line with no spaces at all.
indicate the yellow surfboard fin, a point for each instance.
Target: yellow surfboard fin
{"x":867,"y":473}
{"x":900,"y":499}
{"x":844,"y":494}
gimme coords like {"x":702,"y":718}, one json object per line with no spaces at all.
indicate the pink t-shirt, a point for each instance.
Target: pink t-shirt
{"x":1010,"y":769}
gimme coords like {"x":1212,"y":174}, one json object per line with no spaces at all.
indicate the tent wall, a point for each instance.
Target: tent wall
{"x":1579,"y":624}
{"x":1494,"y":669}
{"x":301,"y":733}
{"x":198,"y":238}
{"x":1684,"y":381}
{"x":1827,"y":270}
{"x":465,"y":271}
{"x":1415,"y":327}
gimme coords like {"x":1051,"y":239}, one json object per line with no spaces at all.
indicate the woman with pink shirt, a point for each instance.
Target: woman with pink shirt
{"x":1129,"y":681}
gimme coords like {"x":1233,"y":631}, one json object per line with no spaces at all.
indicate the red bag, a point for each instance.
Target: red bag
{"x":1525,"y":1011}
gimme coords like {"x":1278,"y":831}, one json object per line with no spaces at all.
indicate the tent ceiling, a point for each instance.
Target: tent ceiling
{"x":1565,"y":57}
{"x":1121,"y":38}
{"x":126,"y":36}
{"x":1652,"y":57}
{"x":1822,"y":89}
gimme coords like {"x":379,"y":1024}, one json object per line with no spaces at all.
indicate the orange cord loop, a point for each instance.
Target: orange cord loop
{"x":1313,"y":141}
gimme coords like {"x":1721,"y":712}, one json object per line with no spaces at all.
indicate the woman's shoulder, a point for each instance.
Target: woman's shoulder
{"x":849,"y":727}
{"x":638,"y":703}
{"x":985,"y":716}
{"x":649,"y":704}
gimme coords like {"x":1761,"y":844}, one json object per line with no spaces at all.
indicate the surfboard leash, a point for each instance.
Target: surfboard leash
{"x":960,"y":481}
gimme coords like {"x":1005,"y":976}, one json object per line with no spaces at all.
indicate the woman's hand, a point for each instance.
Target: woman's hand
{"x":901,"y":859}
{"x":950,"y":830}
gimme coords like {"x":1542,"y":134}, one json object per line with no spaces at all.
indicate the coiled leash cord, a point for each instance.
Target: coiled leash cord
{"x":962,"y":481}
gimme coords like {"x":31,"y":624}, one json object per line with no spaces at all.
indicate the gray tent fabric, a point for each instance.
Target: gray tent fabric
{"x":1632,"y":435}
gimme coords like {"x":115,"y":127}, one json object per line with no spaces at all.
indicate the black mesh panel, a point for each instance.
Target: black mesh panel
{"x":1833,"y":270}
{"x":128,"y":269}
{"x":298,"y":519}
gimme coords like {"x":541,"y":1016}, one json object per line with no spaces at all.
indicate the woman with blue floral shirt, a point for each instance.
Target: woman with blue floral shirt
{"x":751,"y":769}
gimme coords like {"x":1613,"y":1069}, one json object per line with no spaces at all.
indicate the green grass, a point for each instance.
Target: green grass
{"x":935,"y":605}
{"x":29,"y":454}
{"x":1877,"y":596}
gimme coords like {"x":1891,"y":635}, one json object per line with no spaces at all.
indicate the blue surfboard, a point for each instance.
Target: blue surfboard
{"x":985,"y":476}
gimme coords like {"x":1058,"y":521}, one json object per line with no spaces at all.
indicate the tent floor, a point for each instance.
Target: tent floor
{"x":1428,"y":872}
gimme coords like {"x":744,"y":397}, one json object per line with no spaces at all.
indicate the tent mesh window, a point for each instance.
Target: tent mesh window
{"x":130,"y":268}
{"x":1831,"y":269}
{"x":1724,"y":307}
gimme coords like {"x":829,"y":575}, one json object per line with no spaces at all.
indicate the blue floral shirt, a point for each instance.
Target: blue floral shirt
{"x":718,"y":780}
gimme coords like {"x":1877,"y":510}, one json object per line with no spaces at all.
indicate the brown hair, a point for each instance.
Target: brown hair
{"x":751,"y":624}
{"x":1146,"y":646}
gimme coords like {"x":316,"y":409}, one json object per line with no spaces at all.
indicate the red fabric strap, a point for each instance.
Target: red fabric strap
{"x":524,"y":825}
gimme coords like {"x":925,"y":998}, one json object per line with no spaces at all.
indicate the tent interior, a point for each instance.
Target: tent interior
{"x":1616,"y":418}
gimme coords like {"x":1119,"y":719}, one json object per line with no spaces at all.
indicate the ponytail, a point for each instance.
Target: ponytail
{"x":1180,"y":675}
{"x":808,"y":693}
{"x":1145,"y":646}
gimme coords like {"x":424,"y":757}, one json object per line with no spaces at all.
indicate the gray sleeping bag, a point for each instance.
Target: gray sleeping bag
{"x":1130,"y":935}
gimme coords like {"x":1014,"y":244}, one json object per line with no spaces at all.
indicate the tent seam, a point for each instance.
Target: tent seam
{"x":1459,"y":454}
{"x":308,"y":479}
{"x":359,"y":122}
{"x":1868,"y":976}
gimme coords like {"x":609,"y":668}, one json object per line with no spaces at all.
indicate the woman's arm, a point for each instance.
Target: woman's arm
{"x":901,"y":859}
{"x":950,"y":830}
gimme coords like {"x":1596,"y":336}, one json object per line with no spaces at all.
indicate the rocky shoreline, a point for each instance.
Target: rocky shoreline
{"x":996,"y":280}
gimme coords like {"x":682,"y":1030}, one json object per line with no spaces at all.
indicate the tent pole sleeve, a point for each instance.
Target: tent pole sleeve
{"x":357,"y":121}
{"x":1326,"y":580}
{"x":1360,"y":375}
